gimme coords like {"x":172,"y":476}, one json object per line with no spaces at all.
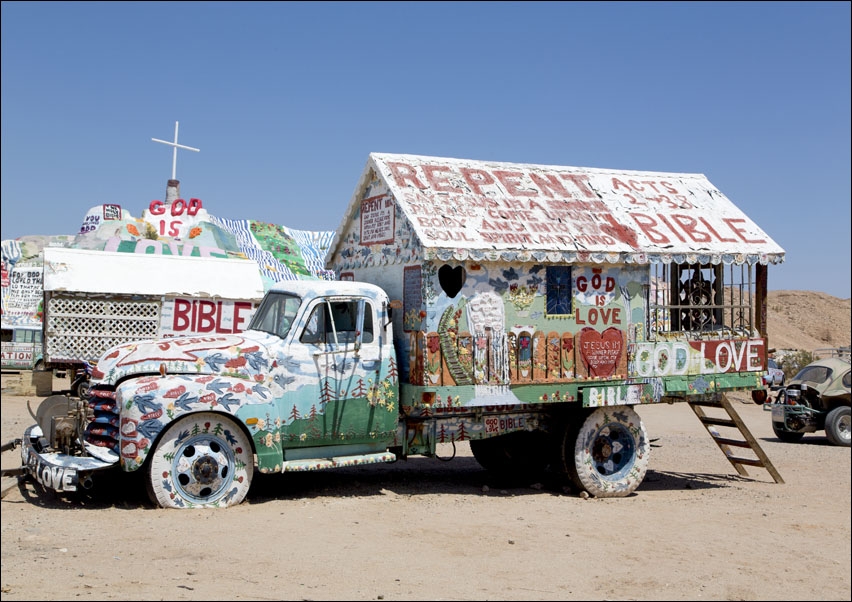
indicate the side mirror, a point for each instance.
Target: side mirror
{"x":395,"y":304}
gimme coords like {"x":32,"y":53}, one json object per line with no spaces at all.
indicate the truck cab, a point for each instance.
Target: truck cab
{"x":310,"y":384}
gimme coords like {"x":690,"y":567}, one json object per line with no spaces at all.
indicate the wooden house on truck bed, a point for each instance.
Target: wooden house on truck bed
{"x":529,"y":284}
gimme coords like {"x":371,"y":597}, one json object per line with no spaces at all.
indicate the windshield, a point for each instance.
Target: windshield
{"x":276,"y":314}
{"x":814,"y":374}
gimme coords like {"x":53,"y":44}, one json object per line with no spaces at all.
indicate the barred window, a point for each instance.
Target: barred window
{"x":704,"y":299}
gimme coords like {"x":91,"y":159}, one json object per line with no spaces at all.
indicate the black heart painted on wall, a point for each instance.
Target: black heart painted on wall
{"x":451,"y":279}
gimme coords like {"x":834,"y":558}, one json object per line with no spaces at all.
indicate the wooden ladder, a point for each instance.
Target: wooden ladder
{"x":725,"y":443}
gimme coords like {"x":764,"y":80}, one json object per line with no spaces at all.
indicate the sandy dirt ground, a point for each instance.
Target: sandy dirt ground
{"x":432,"y":529}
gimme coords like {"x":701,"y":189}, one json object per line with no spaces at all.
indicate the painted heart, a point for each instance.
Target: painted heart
{"x":601,"y":351}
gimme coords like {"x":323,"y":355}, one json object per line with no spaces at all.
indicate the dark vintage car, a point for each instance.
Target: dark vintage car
{"x":815,"y":399}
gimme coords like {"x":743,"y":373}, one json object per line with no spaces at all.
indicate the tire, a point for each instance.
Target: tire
{"x":786,"y":436}
{"x":608,"y":455}
{"x":203,"y":460}
{"x":81,"y":390}
{"x":837,"y":426}
{"x":513,"y":455}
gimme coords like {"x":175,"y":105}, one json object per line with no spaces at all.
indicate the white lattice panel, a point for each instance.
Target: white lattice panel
{"x":83,"y":328}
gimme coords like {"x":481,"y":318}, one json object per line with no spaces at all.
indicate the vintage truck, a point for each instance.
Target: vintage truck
{"x":524,"y":309}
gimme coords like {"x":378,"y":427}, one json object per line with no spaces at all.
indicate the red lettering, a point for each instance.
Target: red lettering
{"x":716,"y":234}
{"x":688,"y":224}
{"x":739,"y":231}
{"x":551,"y":184}
{"x":402,"y":172}
{"x":157,"y":208}
{"x":595,"y":315}
{"x":511,"y":180}
{"x":616,"y":184}
{"x":206,"y":316}
{"x":476,"y":179}
{"x":180,"y":319}
{"x":580,"y":181}
{"x":439,"y":183}
{"x":193,"y":207}
{"x":675,"y":232}
{"x":178,"y":207}
{"x":239,"y":308}
{"x":647,"y":224}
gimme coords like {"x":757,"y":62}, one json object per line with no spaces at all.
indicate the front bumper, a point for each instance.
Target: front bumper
{"x":59,"y":471}
{"x":793,"y":418}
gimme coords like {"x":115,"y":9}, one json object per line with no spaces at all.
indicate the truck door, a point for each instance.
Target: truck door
{"x":341,"y":343}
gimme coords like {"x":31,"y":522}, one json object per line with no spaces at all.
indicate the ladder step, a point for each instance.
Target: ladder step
{"x":734,"y":442}
{"x":718,"y":421}
{"x":736,"y":422}
{"x":707,"y":404}
{"x":746,"y":461}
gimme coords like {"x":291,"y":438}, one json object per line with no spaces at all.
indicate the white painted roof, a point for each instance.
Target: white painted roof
{"x":466,"y":209}
{"x":90,"y":271}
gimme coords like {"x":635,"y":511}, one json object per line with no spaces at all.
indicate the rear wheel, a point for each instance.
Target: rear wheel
{"x":759,"y":396}
{"x":608,"y":455}
{"x":204,"y":460}
{"x":837,"y":426}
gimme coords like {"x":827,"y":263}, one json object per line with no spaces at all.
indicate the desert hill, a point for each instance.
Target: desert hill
{"x":808,"y":320}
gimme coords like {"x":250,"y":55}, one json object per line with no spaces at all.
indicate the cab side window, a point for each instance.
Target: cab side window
{"x":338,"y":321}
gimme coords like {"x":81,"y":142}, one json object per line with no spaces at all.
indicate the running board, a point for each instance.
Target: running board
{"x":336,"y":462}
{"x":734,"y":422}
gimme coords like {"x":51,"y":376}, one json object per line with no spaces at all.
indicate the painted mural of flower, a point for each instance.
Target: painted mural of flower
{"x":132,"y":229}
{"x":521,"y":296}
{"x":195,"y":232}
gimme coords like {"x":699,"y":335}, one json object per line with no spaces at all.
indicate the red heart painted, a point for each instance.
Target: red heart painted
{"x":601,"y":352}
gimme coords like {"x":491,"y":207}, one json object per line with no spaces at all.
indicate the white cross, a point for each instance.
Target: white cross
{"x":176,"y":146}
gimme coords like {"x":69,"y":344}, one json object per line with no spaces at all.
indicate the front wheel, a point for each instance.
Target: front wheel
{"x":837,"y":426}
{"x":608,"y":456}
{"x":81,"y":389}
{"x":203,"y":460}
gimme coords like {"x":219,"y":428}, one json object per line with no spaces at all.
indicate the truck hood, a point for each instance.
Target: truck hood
{"x":239,"y":355}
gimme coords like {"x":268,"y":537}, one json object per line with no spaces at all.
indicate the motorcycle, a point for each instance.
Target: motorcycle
{"x":82,"y":382}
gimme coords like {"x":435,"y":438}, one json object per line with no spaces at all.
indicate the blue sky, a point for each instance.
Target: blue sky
{"x":286,"y":100}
